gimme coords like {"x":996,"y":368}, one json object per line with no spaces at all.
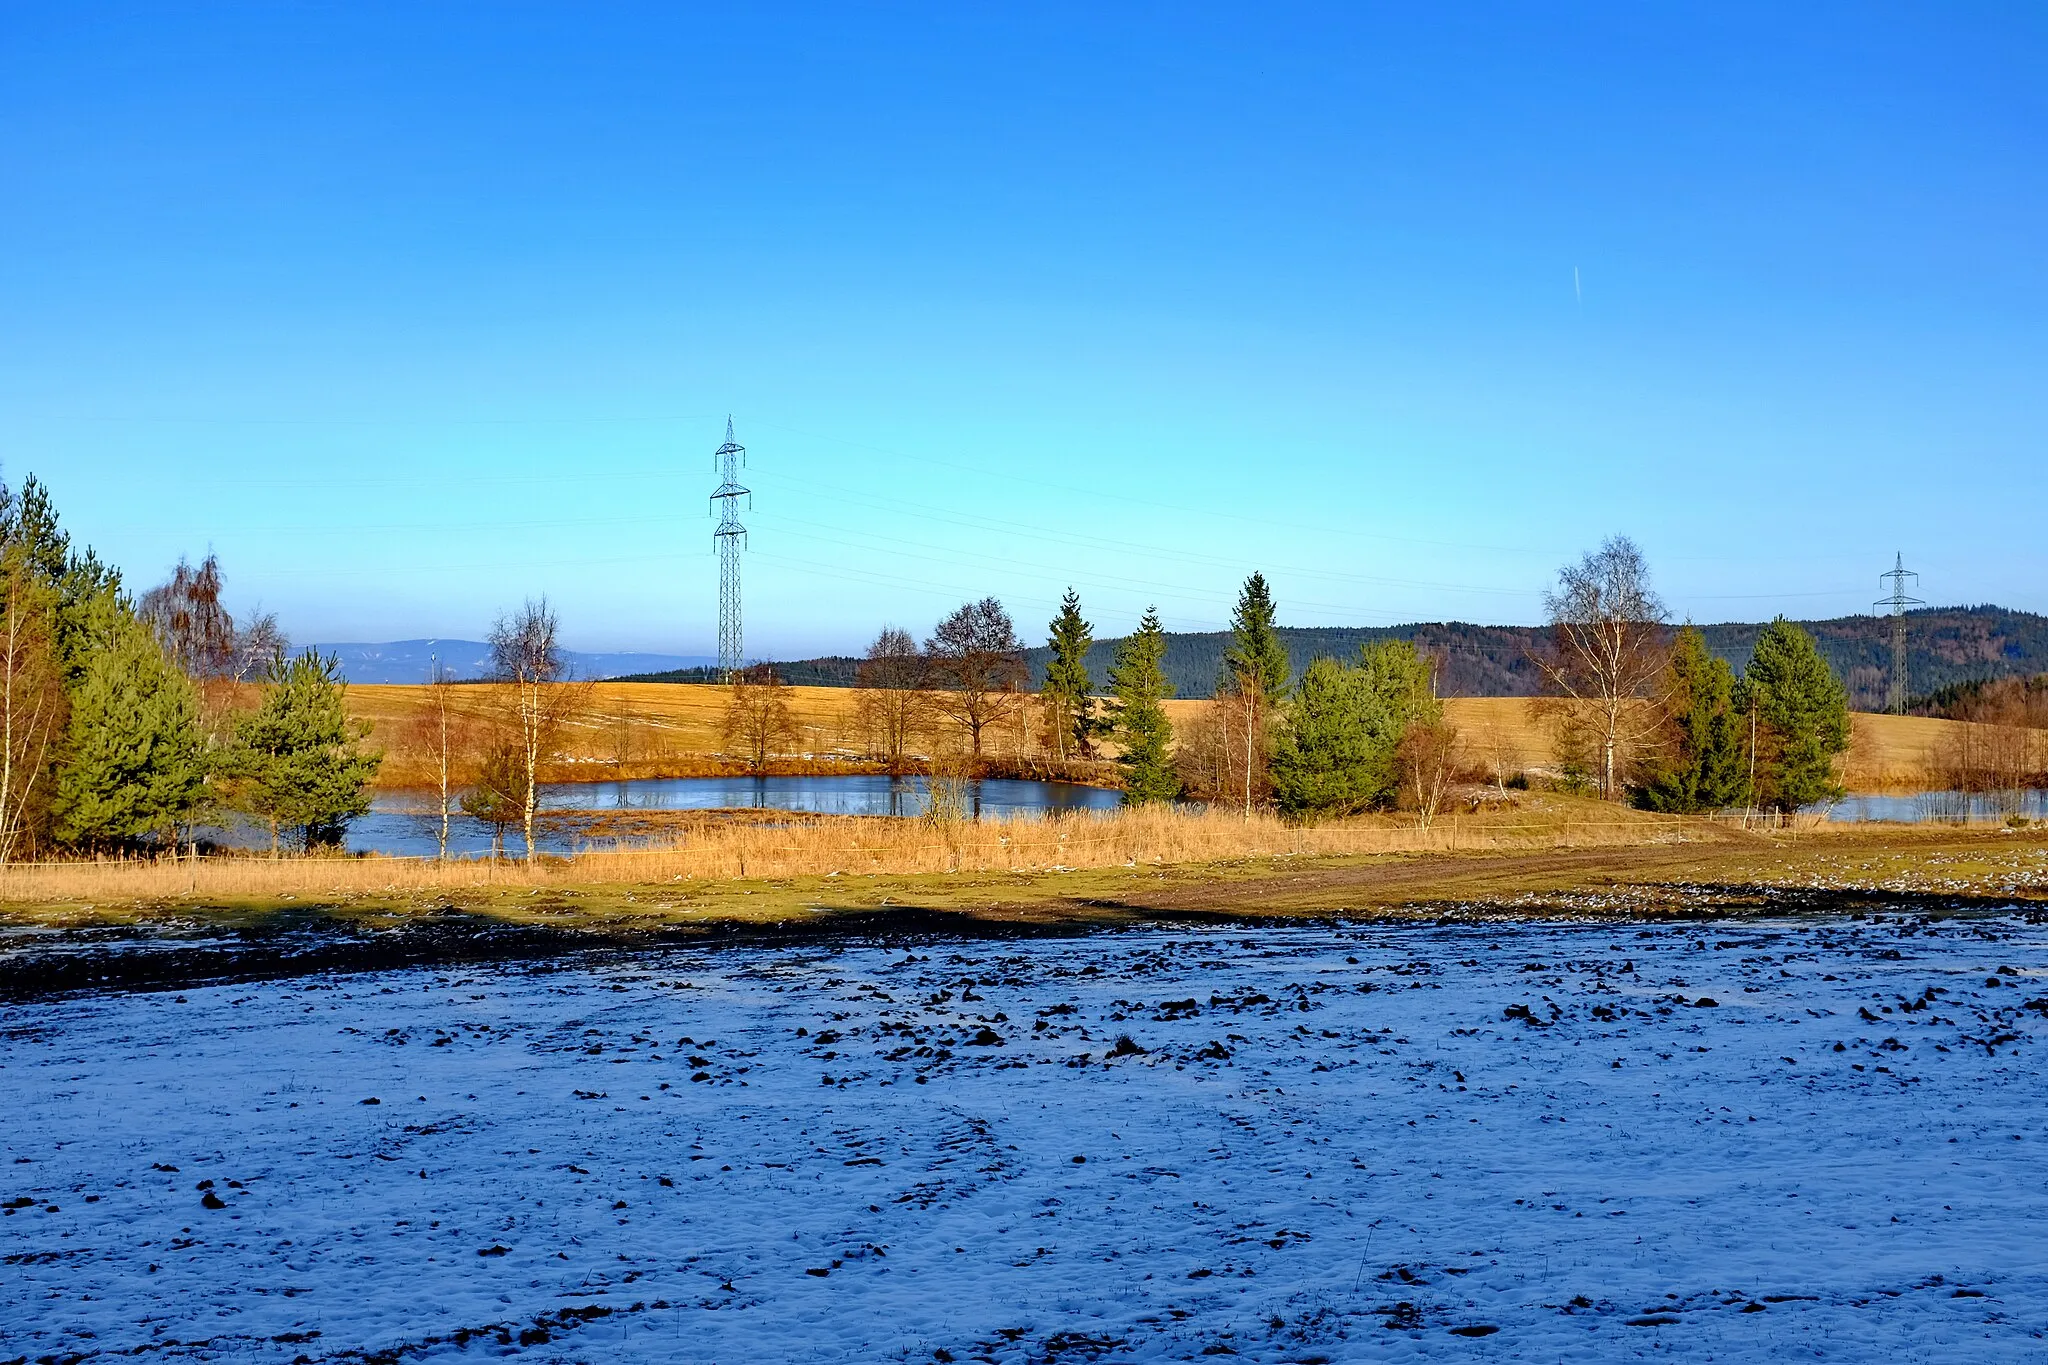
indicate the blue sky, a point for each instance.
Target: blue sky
{"x":410,"y":311}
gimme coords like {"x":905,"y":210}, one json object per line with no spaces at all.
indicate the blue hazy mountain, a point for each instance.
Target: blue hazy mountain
{"x":412,"y":661}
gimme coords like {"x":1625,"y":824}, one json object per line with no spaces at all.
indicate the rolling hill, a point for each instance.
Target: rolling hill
{"x":1945,"y":646}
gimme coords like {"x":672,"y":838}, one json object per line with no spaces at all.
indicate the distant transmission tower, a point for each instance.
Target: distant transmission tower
{"x":1895,"y":696}
{"x":731,"y":538}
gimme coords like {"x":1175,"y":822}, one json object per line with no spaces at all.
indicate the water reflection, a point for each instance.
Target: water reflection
{"x":407,"y":822}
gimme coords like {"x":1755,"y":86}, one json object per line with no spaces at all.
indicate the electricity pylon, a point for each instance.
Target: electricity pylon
{"x":731,"y":538}
{"x":1895,"y":693}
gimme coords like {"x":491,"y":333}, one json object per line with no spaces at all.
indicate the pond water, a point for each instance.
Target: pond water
{"x":1946,"y":807}
{"x":407,"y":823}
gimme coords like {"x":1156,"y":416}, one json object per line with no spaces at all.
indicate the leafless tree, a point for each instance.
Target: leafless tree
{"x":1995,"y":757}
{"x":1500,"y":755}
{"x":1429,"y":760}
{"x":441,"y":738}
{"x":32,"y":702}
{"x":497,"y":795}
{"x":1609,"y":650}
{"x":622,"y":738}
{"x":526,"y":660}
{"x":258,"y":641}
{"x":977,"y":663}
{"x":188,"y":617}
{"x":1249,"y":745}
{"x":894,"y":703}
{"x":1221,"y":755}
{"x":758,"y":721}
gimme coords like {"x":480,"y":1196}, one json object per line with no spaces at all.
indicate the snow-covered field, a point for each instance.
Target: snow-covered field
{"x":1711,"y":1140}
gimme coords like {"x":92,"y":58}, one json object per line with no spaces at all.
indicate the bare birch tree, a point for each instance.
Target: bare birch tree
{"x":1429,"y":761}
{"x":1609,"y":644}
{"x":191,"y":621}
{"x":1500,"y":754}
{"x":258,"y":642}
{"x":440,"y":737}
{"x":526,"y":658}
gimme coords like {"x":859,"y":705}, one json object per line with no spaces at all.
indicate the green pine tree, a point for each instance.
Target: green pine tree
{"x":1701,"y":768}
{"x":1068,"y":691}
{"x":135,"y":765}
{"x":89,"y":611}
{"x":1256,"y":658}
{"x":296,"y":762}
{"x":1338,"y":752}
{"x":1802,"y":719}
{"x":1138,"y":679}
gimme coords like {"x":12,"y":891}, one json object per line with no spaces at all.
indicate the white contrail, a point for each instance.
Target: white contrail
{"x":1577,"y":297}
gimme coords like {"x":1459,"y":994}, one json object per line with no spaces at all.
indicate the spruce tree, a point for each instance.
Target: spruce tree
{"x":1339,"y":752}
{"x":135,"y":763}
{"x":1802,"y":719}
{"x":1138,"y":678}
{"x":296,"y":762}
{"x":1068,"y":690}
{"x":1701,"y":768}
{"x":1256,"y":659}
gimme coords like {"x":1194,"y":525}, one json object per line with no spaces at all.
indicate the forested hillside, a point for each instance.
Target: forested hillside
{"x":1945,"y":645}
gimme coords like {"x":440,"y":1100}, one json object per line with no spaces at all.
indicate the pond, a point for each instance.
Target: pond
{"x":1941,"y":807}
{"x":407,"y":823}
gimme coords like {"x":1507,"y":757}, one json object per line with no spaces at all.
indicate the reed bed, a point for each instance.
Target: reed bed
{"x":845,"y":846}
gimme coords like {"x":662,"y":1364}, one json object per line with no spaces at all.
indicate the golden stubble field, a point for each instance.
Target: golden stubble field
{"x":673,"y":730}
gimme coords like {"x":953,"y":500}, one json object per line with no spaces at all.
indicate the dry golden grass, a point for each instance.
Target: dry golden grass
{"x":672,"y":730}
{"x":850,"y":846}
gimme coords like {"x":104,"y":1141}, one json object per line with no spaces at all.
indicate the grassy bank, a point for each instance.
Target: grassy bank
{"x":1536,"y":858}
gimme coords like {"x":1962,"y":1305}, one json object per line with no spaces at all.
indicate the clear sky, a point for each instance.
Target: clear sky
{"x":409,"y":311}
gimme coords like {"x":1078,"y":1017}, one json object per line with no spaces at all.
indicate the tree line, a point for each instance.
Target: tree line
{"x":1638,"y":710}
{"x":128,"y":723}
{"x":1648,"y":714}
{"x":141,"y":724}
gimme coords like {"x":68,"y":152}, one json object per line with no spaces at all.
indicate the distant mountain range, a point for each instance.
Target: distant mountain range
{"x":412,"y":661}
{"x":1945,"y":646}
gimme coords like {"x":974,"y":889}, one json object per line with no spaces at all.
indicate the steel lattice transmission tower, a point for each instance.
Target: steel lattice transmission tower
{"x":1895,"y":693}
{"x":731,"y":538}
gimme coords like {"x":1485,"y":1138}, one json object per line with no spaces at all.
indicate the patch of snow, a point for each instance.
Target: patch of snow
{"x":1464,"y":1141}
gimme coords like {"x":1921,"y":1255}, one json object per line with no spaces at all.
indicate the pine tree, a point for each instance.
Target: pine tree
{"x":296,"y":762}
{"x":89,"y":610}
{"x":1339,"y":752}
{"x":1802,"y":719}
{"x":1256,"y":659}
{"x":1701,"y":768}
{"x":1068,"y":691}
{"x":1143,"y":732}
{"x":135,"y":763}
